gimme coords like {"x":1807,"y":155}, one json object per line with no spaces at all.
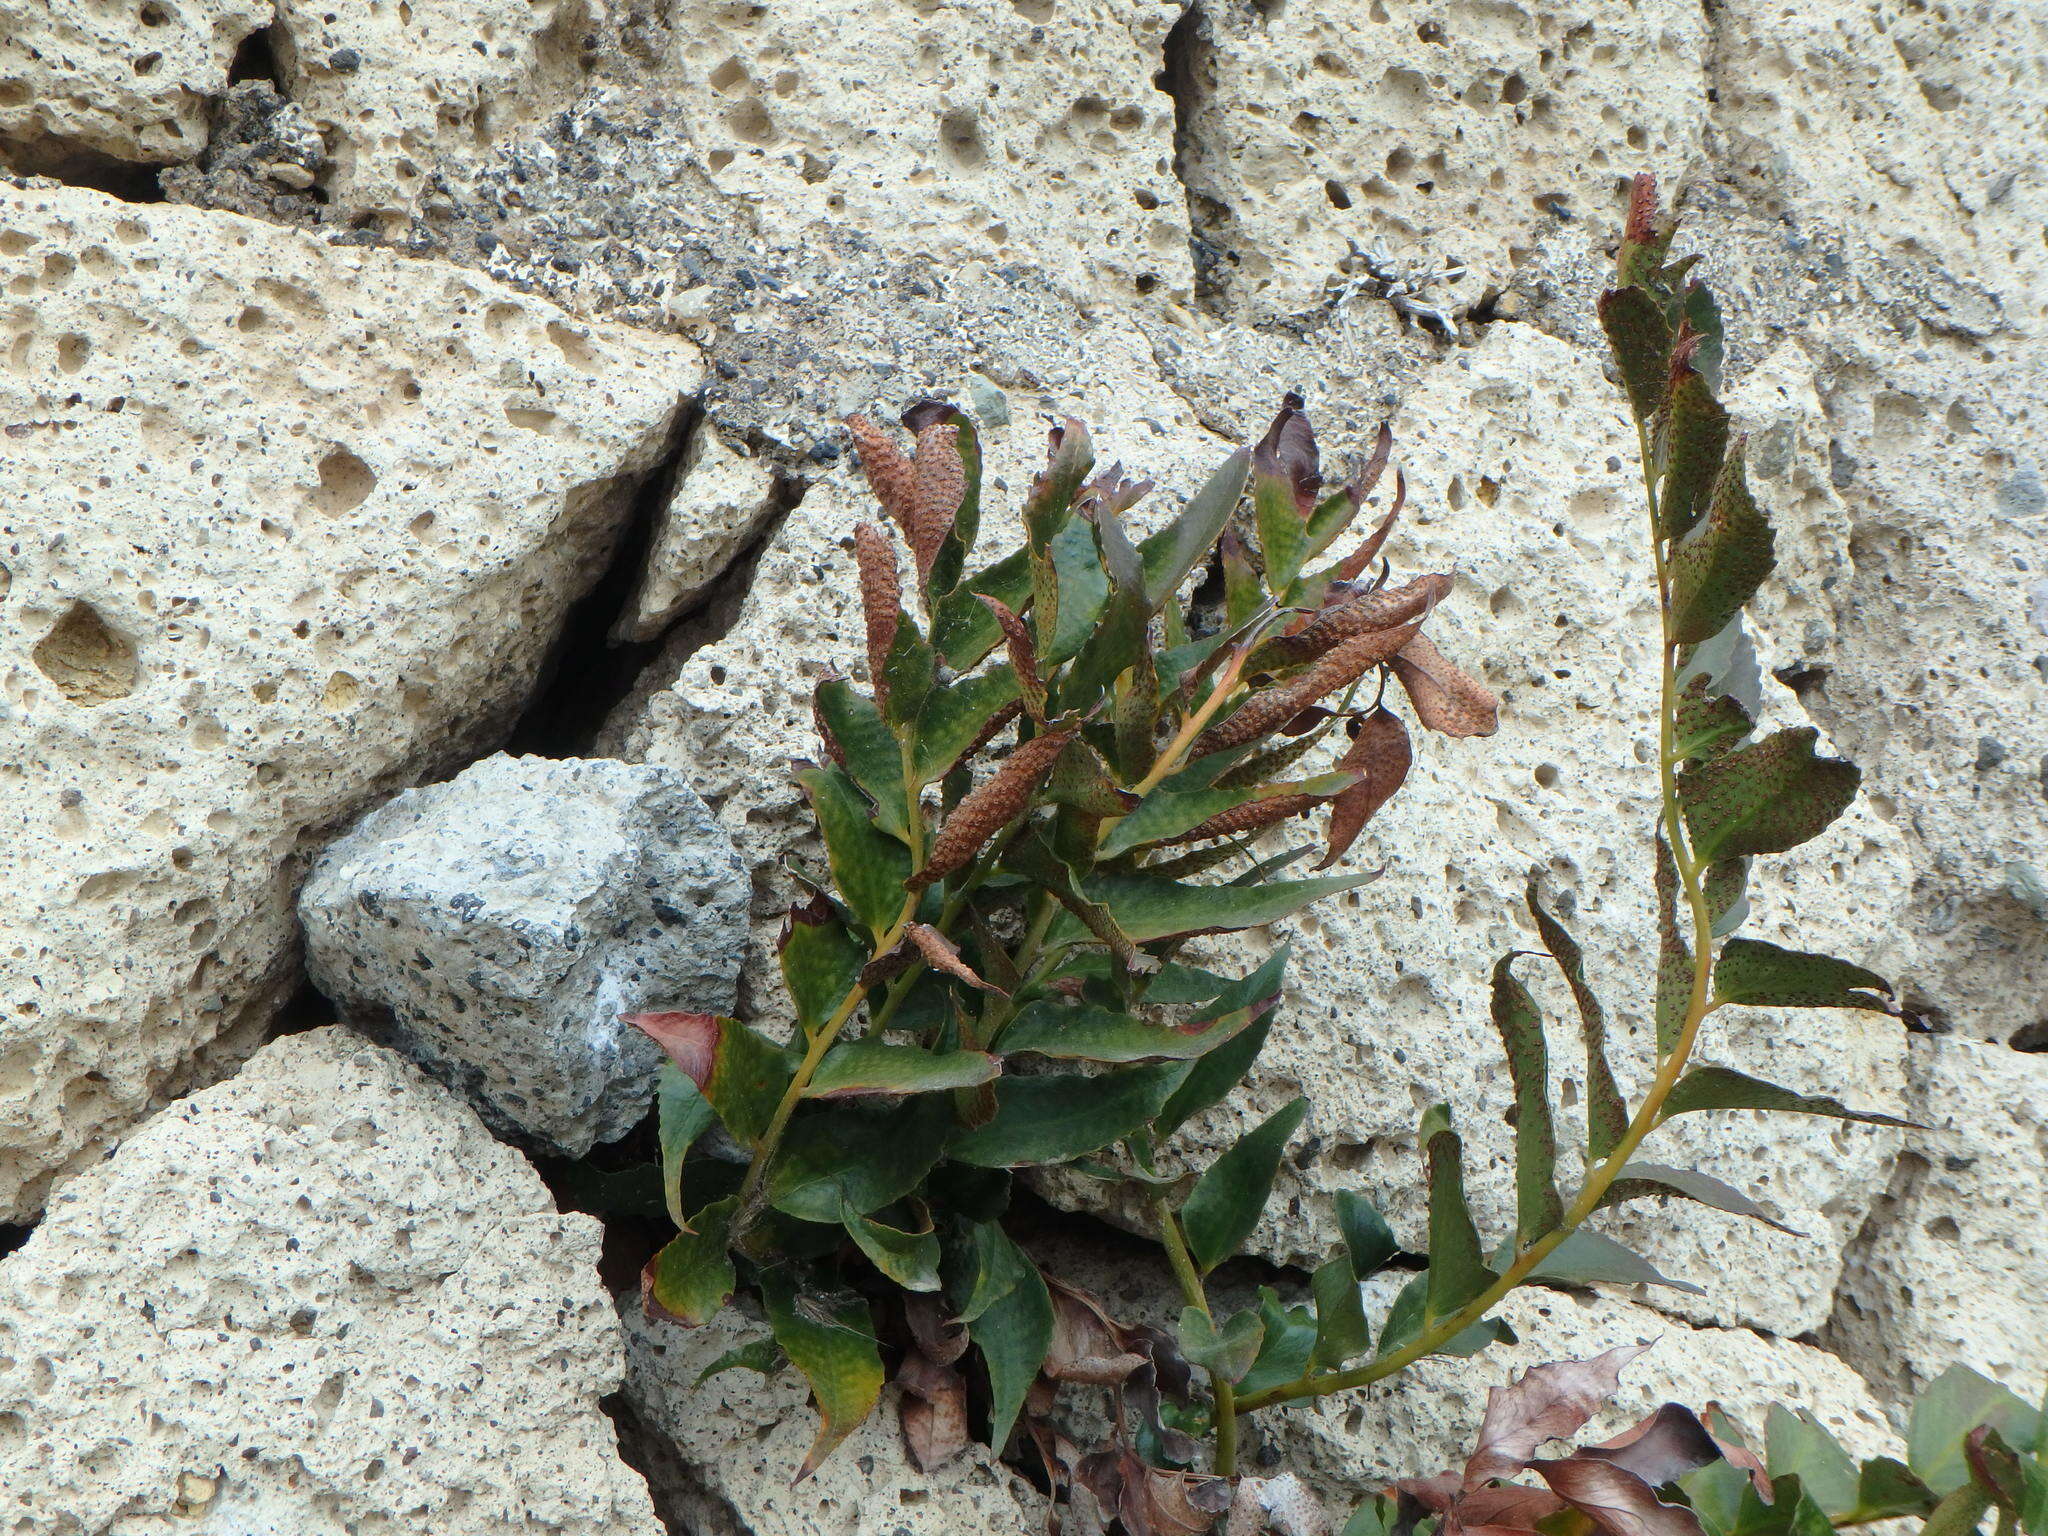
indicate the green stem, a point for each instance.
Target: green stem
{"x":1698,"y":1006}
{"x":1191,"y":1287}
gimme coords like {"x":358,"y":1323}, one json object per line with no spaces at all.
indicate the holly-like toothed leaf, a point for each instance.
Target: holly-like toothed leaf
{"x":1368,"y":1240}
{"x":1167,"y":813}
{"x":1766,"y":797}
{"x":1675,"y":976}
{"x":1172,"y":552}
{"x":963,"y":630}
{"x":763,"y":1355}
{"x":1796,"y":1445}
{"x":821,"y":961}
{"x":830,"y":1339}
{"x":1342,"y":1333}
{"x":1953,"y":1404}
{"x":1146,"y":908}
{"x":868,"y":866}
{"x":1051,"y":1118}
{"x":1708,"y":723}
{"x":1606,"y":1110}
{"x":683,"y":1114}
{"x":1719,"y":569}
{"x":1537,"y":1206}
{"x":858,"y":1156}
{"x":1642,"y":1181}
{"x":1013,"y":1332}
{"x":858,"y":1067}
{"x":740,"y":1071}
{"x":911,"y":1259}
{"x":691,"y":1278}
{"x":955,"y":716}
{"x":1084,"y":1032}
{"x":1705,"y":1088}
{"x":1640,"y":337}
{"x":873,"y":756}
{"x":1457,"y":1269}
{"x":1287,"y":1340}
{"x":1225,"y":1352}
{"x":1695,"y":443}
{"x":1751,"y":971}
{"x":1587,"y":1258}
{"x":1225,"y":1203}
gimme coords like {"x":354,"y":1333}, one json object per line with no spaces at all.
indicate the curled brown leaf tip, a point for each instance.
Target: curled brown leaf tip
{"x":990,"y":806}
{"x":939,"y":485}
{"x":942,"y":954}
{"x":889,"y":473}
{"x":690,"y":1040}
{"x":881,"y":600}
{"x":1381,"y":754}
{"x":1288,"y":450}
{"x":1446,"y":698}
{"x":1354,"y":565}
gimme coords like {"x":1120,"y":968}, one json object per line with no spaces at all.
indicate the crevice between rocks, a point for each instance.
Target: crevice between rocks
{"x":1182,"y":62}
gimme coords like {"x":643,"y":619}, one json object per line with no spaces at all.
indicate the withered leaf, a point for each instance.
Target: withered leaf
{"x":1086,"y":1346}
{"x":1666,"y":1446}
{"x":934,"y":1411}
{"x":1548,"y":1402}
{"x":1617,"y":1501}
{"x":942,"y":954}
{"x":1446,"y":698}
{"x":689,"y":1039}
{"x":1355,"y":564}
{"x":1381,"y":754}
{"x":941,"y":1339}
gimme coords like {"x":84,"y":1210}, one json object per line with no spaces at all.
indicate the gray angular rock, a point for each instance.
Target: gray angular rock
{"x":496,"y":925}
{"x":318,"y":1299}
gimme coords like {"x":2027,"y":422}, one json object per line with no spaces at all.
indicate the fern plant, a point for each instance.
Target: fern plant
{"x":1060,"y":774}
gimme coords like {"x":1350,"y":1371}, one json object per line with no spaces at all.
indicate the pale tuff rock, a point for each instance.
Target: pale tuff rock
{"x":721,"y":500}
{"x":1427,"y":135}
{"x":288,"y":525}
{"x":503,"y":920}
{"x":740,"y":1440}
{"x":1954,"y":1264}
{"x":303,"y":1301}
{"x":79,"y":77}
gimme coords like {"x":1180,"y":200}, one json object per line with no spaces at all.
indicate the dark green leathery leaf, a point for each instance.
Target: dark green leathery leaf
{"x":739,"y":1071}
{"x":1226,"y":1351}
{"x":874,"y":758}
{"x":1148,"y":908}
{"x":1750,"y":971}
{"x":692,"y":1277}
{"x":1638,"y":1181}
{"x":682,"y":1115}
{"x":1606,"y":1110}
{"x":911,"y":1259}
{"x":1368,"y":1240}
{"x":1169,"y":555}
{"x":1537,"y":1206}
{"x":870,"y":1066}
{"x":1767,"y":797}
{"x":1640,"y":336}
{"x":1225,"y":1203}
{"x":1694,"y":446}
{"x":1342,"y":1332}
{"x":1457,"y":1268}
{"x":821,"y":962}
{"x":1716,"y":571}
{"x":1705,"y":1088}
{"x":1051,"y":1118}
{"x":858,"y":1155}
{"x":868,"y":866}
{"x":1013,"y":1330}
{"x":1585,"y":1258}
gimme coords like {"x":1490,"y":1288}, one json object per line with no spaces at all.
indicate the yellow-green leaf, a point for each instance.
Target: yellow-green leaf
{"x":830,"y":1339}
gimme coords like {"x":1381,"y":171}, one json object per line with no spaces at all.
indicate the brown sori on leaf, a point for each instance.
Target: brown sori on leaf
{"x":939,"y":484}
{"x":889,"y":474}
{"x":881,"y":601}
{"x":1338,"y":668}
{"x":1023,"y":655}
{"x":942,"y":954}
{"x":991,"y":806}
{"x":1353,"y":565}
{"x":1446,"y":698}
{"x":1249,"y":817}
{"x":1353,"y":614}
{"x":1381,"y":754}
{"x":1642,"y":209}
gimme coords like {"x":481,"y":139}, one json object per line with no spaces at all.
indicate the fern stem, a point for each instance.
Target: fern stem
{"x":1197,"y":1297}
{"x":1669,"y":1069}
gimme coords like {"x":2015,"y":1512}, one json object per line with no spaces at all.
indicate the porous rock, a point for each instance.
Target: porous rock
{"x":1953,"y":1264}
{"x":288,"y":527}
{"x":501,"y":922}
{"x":318,"y":1299}
{"x":739,"y":1440}
{"x":721,"y":499}
{"x":80,"y":78}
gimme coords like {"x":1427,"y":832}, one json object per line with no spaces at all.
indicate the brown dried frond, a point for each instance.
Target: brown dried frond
{"x":890,"y":475}
{"x":881,"y":601}
{"x":938,"y":487}
{"x":1446,"y":698}
{"x":1381,"y":755}
{"x":1338,"y":668}
{"x":991,"y":806}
